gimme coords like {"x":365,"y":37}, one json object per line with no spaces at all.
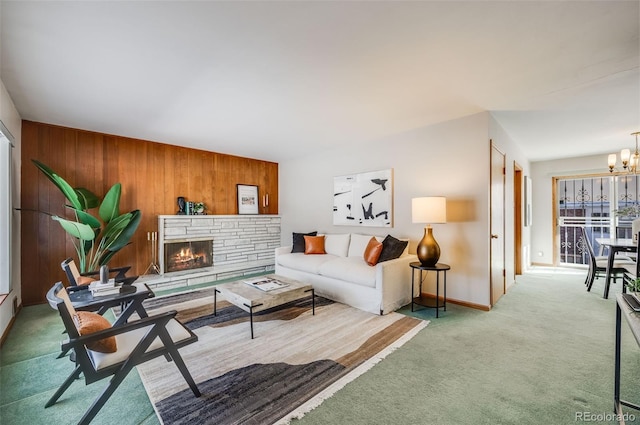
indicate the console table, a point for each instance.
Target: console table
{"x":633,"y":320}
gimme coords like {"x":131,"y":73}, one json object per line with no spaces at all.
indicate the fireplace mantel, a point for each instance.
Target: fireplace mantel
{"x":242,"y":245}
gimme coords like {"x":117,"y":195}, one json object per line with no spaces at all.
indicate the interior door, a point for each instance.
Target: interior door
{"x":498,"y":278}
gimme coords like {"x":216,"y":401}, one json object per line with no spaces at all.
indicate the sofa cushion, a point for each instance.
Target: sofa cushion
{"x":314,"y":245}
{"x":358,"y":244}
{"x":392,"y":248}
{"x":337,"y":244}
{"x":304,"y":263}
{"x":298,"y":241}
{"x":372,"y":251}
{"x":349,"y":269}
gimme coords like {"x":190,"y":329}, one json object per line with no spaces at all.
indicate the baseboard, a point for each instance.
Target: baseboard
{"x":9,"y":326}
{"x":542,"y":264}
{"x":462,"y":303}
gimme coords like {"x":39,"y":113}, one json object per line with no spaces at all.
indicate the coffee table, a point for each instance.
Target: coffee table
{"x":254,"y":300}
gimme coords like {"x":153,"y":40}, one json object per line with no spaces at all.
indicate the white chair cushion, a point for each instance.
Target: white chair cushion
{"x":337,"y":244}
{"x":617,"y":263}
{"x":359,"y":243}
{"x":126,"y":342}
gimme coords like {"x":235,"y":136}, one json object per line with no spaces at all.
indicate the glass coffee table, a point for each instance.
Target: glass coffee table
{"x":245,"y":294}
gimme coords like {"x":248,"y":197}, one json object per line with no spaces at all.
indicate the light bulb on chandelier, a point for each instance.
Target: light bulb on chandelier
{"x":630,"y":163}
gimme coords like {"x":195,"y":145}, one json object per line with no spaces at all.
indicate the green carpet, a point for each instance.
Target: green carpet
{"x":543,"y":355}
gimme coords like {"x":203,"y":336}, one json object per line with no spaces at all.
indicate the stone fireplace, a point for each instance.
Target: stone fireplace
{"x":191,"y":254}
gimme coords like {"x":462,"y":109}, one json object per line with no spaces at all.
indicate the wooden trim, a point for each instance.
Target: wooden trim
{"x":518,"y":182}
{"x":5,"y":334}
{"x":461,"y":303}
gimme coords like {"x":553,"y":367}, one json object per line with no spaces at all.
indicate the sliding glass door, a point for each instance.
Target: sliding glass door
{"x":591,"y":202}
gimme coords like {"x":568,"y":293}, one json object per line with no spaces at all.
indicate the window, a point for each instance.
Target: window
{"x":6,"y":190}
{"x":591,"y":203}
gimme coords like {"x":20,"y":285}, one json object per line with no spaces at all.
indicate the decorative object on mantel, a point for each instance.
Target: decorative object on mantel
{"x":181,"y":206}
{"x":630,"y":163}
{"x":94,"y":245}
{"x":265,"y":202}
{"x":364,"y":199}
{"x":198,"y":208}
{"x":152,"y":238}
{"x":247,"y":199}
{"x":429,"y":210}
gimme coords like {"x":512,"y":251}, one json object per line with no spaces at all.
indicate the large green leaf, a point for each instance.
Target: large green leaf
{"x":86,"y":218}
{"x":87,"y":198}
{"x":127,"y":233}
{"x":121,"y":231}
{"x":110,"y":207}
{"x":77,"y":230}
{"x":61,"y":184}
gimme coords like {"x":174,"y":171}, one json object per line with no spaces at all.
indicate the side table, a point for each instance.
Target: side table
{"x":425,"y":301}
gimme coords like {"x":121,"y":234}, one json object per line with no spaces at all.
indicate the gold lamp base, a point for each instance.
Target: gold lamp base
{"x":428,"y":249}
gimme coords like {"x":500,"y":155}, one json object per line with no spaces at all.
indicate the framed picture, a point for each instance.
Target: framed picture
{"x":247,"y":199}
{"x":364,"y":199}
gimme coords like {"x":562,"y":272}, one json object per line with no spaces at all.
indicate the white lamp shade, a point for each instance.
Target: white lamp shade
{"x":624,"y":155}
{"x":612,"y":160}
{"x":429,"y":209}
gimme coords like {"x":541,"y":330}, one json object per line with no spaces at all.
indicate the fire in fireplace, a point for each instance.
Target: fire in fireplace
{"x":187,"y":255}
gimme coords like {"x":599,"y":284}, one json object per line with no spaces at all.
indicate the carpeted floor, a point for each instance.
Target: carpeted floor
{"x":543,"y":355}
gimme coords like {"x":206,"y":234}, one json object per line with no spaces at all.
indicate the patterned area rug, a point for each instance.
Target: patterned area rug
{"x":295,"y":361}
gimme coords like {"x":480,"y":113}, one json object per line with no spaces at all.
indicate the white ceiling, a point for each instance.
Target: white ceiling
{"x":276,"y":80}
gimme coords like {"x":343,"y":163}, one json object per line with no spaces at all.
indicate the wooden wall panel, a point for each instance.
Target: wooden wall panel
{"x":152,"y":175}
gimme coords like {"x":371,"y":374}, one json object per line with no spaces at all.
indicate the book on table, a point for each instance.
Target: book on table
{"x":98,"y":288}
{"x":265,"y":283}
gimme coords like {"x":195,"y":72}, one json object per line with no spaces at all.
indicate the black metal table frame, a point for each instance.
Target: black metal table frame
{"x":251,"y":307}
{"x":437,"y":268}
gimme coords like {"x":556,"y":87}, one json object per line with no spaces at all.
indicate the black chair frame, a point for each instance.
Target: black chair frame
{"x":120,"y":370}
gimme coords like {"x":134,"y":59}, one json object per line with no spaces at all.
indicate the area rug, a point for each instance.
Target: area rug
{"x":295,"y":361}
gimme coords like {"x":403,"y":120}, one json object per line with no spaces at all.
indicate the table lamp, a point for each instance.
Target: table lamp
{"x":429,"y":210}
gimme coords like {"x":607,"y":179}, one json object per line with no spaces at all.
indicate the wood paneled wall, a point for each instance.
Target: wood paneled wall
{"x":152,"y":174}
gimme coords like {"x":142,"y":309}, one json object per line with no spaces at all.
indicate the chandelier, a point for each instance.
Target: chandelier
{"x":630,"y":163}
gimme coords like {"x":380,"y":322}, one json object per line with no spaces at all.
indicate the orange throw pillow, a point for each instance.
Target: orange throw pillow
{"x":88,"y":323}
{"x":314,"y":245}
{"x":372,"y":251}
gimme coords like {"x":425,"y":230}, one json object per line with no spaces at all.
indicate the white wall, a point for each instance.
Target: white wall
{"x":11,"y":119}
{"x":449,"y":159}
{"x":505,"y":144}
{"x":542,"y":178}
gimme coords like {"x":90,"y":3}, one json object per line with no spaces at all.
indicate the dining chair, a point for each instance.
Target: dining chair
{"x":598,"y":264}
{"x":102,"y":350}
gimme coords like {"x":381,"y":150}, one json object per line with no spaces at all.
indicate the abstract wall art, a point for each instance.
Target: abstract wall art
{"x":364,"y":199}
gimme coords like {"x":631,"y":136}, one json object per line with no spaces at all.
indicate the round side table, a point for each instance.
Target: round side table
{"x":428,"y":301}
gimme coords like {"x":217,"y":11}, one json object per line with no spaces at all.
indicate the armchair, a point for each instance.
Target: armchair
{"x":134,"y":343}
{"x":79,"y":280}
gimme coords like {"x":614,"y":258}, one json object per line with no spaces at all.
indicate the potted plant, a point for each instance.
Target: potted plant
{"x":96,"y":240}
{"x":633,"y":286}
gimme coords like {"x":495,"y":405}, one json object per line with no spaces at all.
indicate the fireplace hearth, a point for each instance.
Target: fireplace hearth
{"x":187,"y":255}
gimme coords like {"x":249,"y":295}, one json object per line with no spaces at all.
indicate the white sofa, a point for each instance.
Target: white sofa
{"x":343,"y":275}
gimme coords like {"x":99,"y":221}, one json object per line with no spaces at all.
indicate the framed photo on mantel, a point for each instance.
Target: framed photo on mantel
{"x":247,"y":199}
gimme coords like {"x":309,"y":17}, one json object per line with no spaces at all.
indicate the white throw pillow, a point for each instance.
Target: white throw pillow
{"x":359,"y":243}
{"x":337,"y":244}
